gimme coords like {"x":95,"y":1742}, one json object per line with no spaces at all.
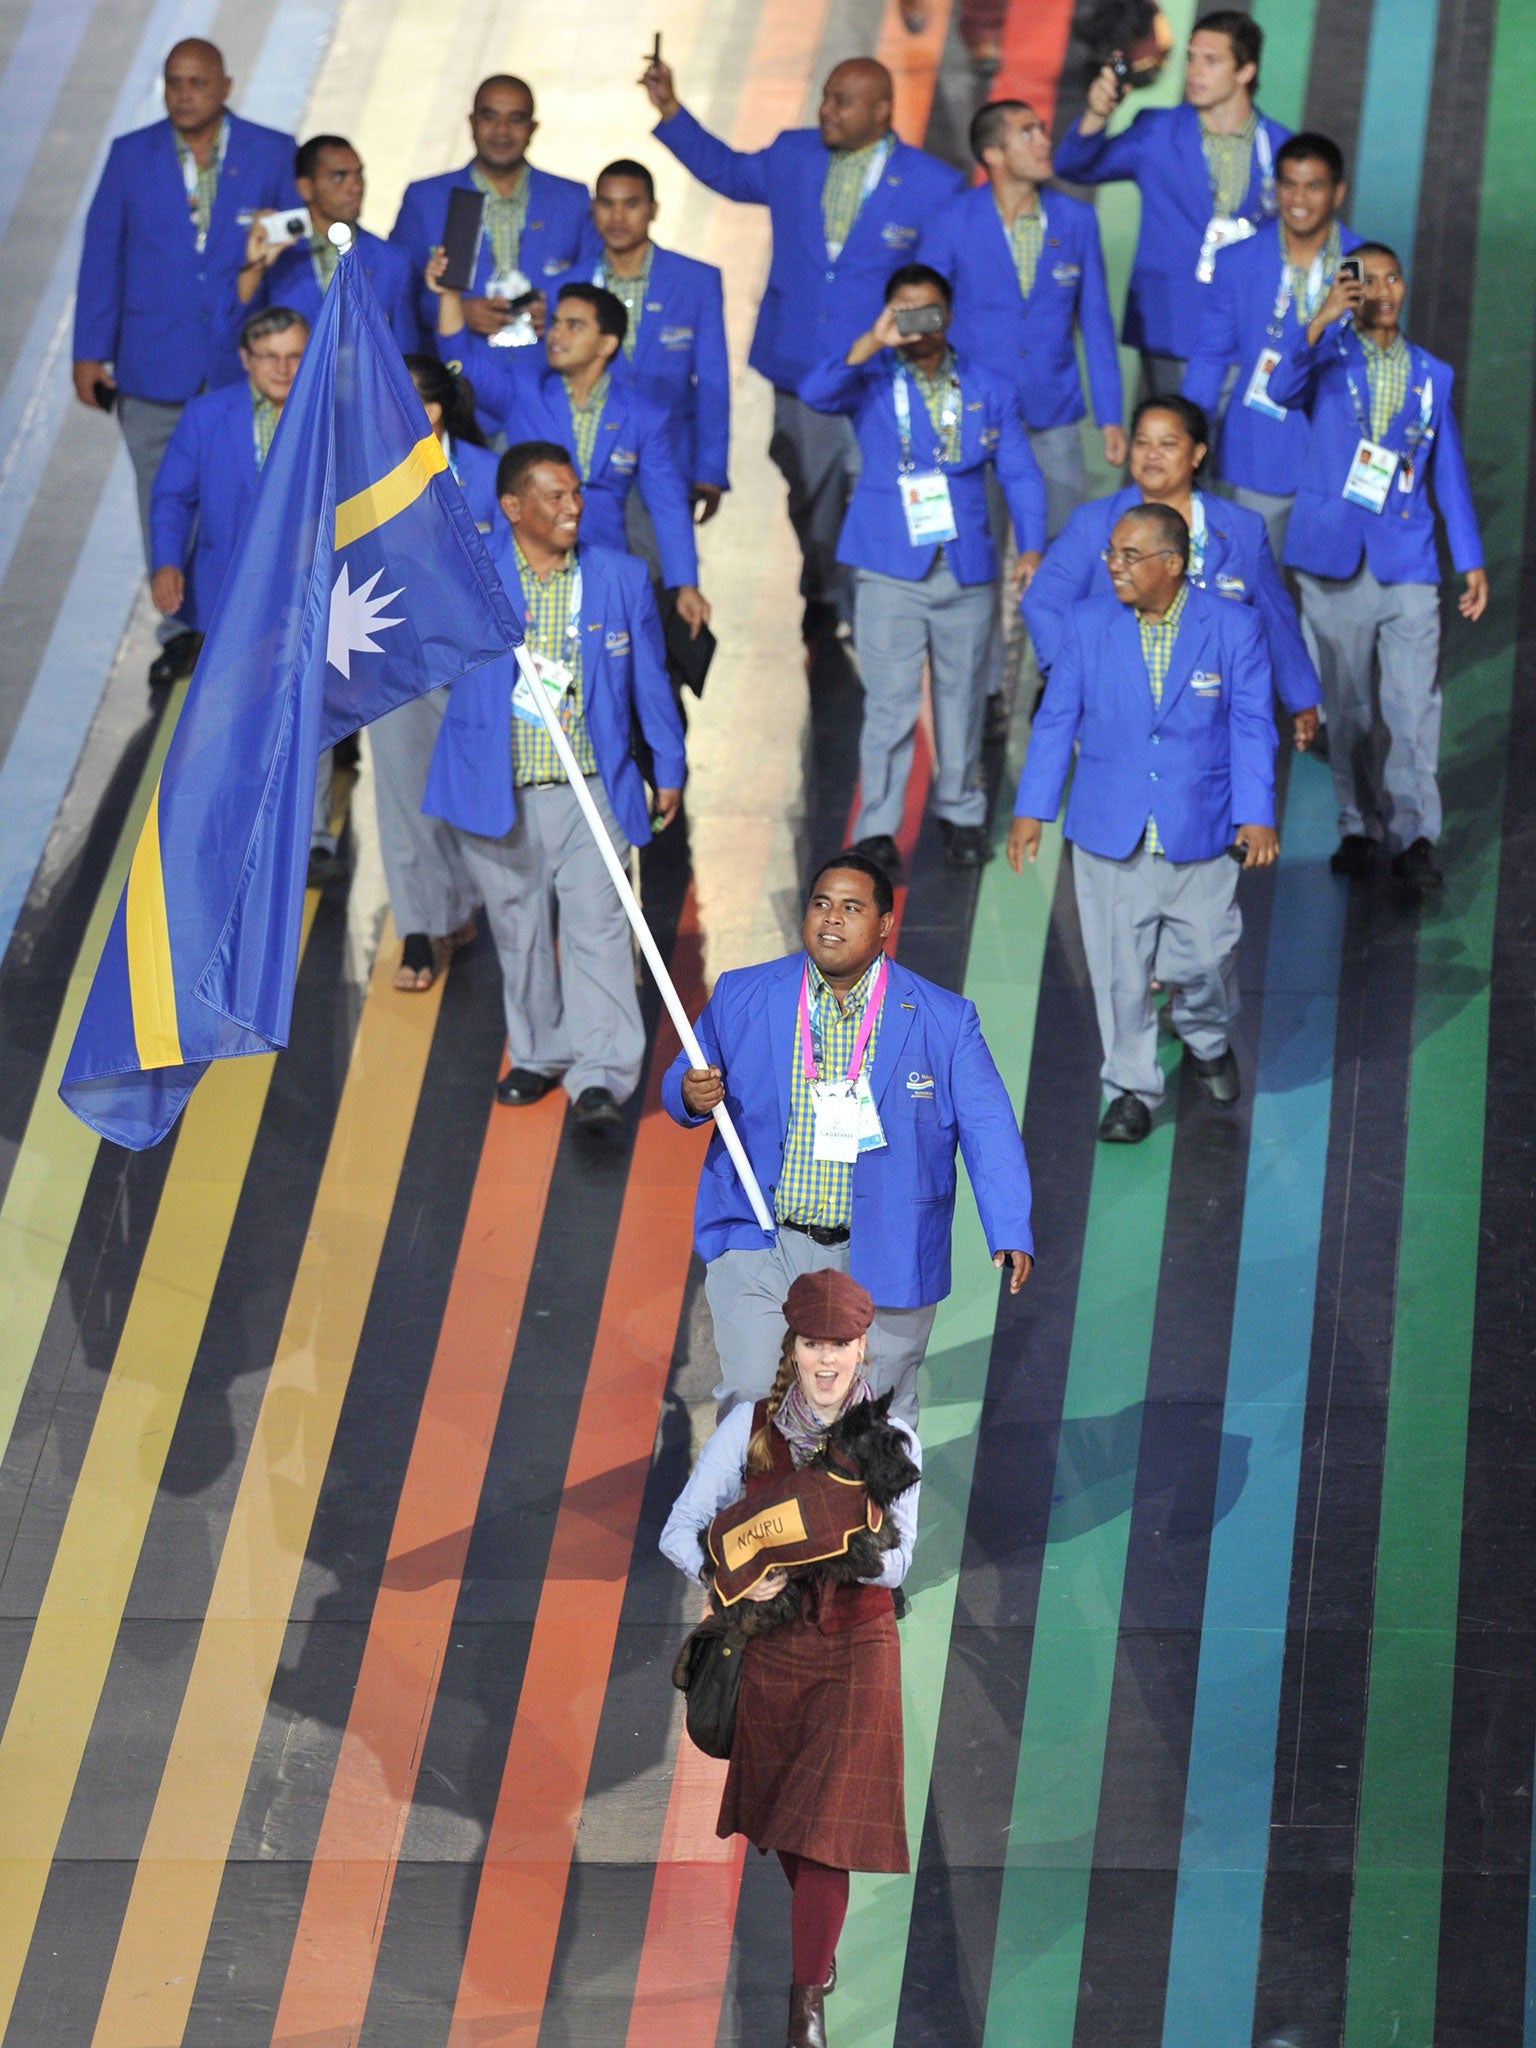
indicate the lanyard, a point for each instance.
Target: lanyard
{"x":192,"y":170}
{"x":1197,"y":539}
{"x":1417,"y":430}
{"x":572,"y":617}
{"x":1319,"y":275}
{"x":948,"y":418}
{"x":866,"y":1028}
{"x":1266,"y":168}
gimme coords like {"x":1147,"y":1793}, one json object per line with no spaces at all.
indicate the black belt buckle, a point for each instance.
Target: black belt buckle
{"x":819,"y":1233}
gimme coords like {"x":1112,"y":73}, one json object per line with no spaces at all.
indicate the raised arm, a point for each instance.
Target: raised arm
{"x":734,"y":173}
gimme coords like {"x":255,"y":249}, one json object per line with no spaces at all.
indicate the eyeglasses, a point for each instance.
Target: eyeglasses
{"x":1128,"y":557}
{"x":267,"y":355}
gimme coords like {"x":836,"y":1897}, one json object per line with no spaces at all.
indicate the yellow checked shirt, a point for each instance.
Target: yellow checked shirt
{"x":938,"y":391}
{"x":1026,"y":238}
{"x":585,"y":420}
{"x":200,"y":199}
{"x":264,"y":418}
{"x":1386,"y":372}
{"x":631,"y":291}
{"x":812,"y":1190}
{"x":842,"y":192}
{"x":504,"y":218}
{"x":324,"y":255}
{"x":1157,"y":638}
{"x":546,"y":618}
{"x":1229,"y":160}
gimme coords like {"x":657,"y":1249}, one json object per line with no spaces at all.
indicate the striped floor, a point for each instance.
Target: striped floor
{"x":337,"y":1433}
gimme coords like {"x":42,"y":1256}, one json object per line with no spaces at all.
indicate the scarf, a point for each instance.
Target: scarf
{"x":796,"y":1420}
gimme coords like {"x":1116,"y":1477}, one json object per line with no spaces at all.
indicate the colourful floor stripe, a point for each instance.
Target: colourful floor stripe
{"x":1035,"y":37}
{"x":1214,"y":1958}
{"x":1287,"y":26}
{"x":154,"y":1974}
{"x":913,"y":62}
{"x":1395,"y":1924}
{"x":1388,"y":167}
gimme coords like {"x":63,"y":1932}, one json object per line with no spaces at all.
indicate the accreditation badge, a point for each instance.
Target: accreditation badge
{"x":1257,"y":394}
{"x":556,"y":677}
{"x":871,"y":1130}
{"x":1370,"y":476}
{"x":925,"y":500}
{"x":835,"y":1136}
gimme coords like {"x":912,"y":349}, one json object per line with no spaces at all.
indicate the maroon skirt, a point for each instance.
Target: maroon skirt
{"x":816,"y":1767}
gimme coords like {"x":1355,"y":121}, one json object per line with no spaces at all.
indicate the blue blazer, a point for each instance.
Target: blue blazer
{"x":475,"y":469}
{"x":147,"y":302}
{"x":555,"y":230}
{"x":1327,"y":535}
{"x":1030,"y":342}
{"x":291,"y":282}
{"x":936,"y":1087}
{"x":623,"y":676}
{"x":1202,"y":761}
{"x":813,"y":307}
{"x":874,"y":534}
{"x":202,"y":493}
{"x":1238,"y":563}
{"x":634,"y":448}
{"x":1161,"y":152}
{"x":680,"y":360}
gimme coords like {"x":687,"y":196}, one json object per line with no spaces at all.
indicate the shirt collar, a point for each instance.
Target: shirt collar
{"x":483,"y":184}
{"x":593,"y":401}
{"x":1398,"y":346}
{"x":858,"y":995}
{"x":525,"y":568}
{"x":1168,"y":623}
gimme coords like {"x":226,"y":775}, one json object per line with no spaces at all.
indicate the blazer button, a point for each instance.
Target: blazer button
{"x":1156,"y":737}
{"x":1154,"y":775}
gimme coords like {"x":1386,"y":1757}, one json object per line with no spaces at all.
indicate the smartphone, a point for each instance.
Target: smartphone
{"x":656,"y":48}
{"x":461,"y":237}
{"x":912,"y":320}
{"x":290,"y":225}
{"x":105,"y":394}
{"x":1350,"y":267}
{"x":1238,"y":851}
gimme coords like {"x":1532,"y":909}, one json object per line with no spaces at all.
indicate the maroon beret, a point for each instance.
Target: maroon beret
{"x":829,"y":1305}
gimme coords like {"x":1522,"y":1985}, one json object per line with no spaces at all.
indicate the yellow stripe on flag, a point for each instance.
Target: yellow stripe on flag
{"x":150,"y":986}
{"x":391,"y":494}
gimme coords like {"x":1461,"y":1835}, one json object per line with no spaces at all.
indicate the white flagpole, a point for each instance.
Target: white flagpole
{"x":642,"y":930}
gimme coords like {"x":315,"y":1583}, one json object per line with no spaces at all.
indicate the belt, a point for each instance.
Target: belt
{"x":816,"y":1232}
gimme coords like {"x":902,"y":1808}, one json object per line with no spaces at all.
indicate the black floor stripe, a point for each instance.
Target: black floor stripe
{"x":1341,"y":35}
{"x":1450,"y":201}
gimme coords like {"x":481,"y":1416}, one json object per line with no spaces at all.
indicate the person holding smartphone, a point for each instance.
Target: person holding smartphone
{"x":1362,"y":543}
{"x":930,"y":424}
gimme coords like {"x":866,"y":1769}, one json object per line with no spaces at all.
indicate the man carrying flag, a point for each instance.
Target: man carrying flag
{"x":359,"y":583}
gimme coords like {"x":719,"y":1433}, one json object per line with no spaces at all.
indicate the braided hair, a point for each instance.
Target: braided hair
{"x":760,"y":1449}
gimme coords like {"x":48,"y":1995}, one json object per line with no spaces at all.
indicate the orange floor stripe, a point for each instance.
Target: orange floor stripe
{"x":1034,"y":48}
{"x":686,"y":1954}
{"x":913,"y":62}
{"x":512,"y":1936}
{"x":335,"y":1950}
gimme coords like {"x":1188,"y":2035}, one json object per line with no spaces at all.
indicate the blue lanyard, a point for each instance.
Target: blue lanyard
{"x":900,"y":392}
{"x":1416,"y":431}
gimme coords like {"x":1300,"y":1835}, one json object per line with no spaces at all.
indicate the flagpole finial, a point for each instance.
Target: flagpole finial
{"x":339,"y":234}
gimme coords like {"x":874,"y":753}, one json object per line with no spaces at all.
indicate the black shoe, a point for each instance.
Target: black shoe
{"x":1355,"y":856}
{"x":883,"y":851}
{"x":595,"y":1110}
{"x":177,"y":658}
{"x":1126,"y":1121}
{"x":326,"y":867}
{"x":819,"y":620}
{"x":522,"y":1086}
{"x":998,"y":720}
{"x":1218,"y":1077}
{"x":967,"y":846}
{"x":1417,"y":869}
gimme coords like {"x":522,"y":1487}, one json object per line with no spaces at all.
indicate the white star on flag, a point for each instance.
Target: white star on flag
{"x":354,"y":619}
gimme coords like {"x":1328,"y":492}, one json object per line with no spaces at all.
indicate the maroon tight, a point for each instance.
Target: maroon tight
{"x":816,"y":1915}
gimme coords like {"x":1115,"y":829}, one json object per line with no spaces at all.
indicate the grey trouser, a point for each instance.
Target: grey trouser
{"x":429,"y":886}
{"x":818,"y":457}
{"x":897,"y":625}
{"x":1377,"y":648}
{"x":573,"y":1012}
{"x":1059,"y":452}
{"x":746,"y":1291}
{"x":1148,"y":916}
{"x":640,"y":536}
{"x":1275,"y":512}
{"x":148,"y":425}
{"x":1161,"y":376}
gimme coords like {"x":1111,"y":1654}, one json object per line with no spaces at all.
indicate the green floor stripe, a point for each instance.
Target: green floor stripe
{"x":1033,"y":2001}
{"x":1003,"y":980}
{"x":1395,"y":1927}
{"x":1287,"y":26}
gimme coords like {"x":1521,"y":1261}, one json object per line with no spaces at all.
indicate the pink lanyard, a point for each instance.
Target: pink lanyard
{"x":866,"y":1028}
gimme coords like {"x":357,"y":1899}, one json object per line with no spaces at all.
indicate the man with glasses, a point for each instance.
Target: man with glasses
{"x":1167,"y":689}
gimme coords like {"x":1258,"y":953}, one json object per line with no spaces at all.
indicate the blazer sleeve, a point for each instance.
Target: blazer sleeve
{"x":1252,"y":722}
{"x":706,"y":1030}
{"x":665,"y":496}
{"x":1062,"y":580}
{"x":937,"y":247}
{"x":734,"y":173}
{"x":990,"y":1142}
{"x":655,"y":705}
{"x":1100,"y":159}
{"x":1217,"y":346}
{"x":1055,"y":728}
{"x":1296,"y":679}
{"x":1293,"y":380}
{"x":99,"y":294}
{"x":712,"y":390}
{"x":173,"y":500}
{"x":501,"y":381}
{"x":833,"y":385}
{"x":1019,"y":474}
{"x":1453,"y":494}
{"x":1101,"y":350}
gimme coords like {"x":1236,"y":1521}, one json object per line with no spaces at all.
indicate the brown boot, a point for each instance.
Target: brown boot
{"x":807,"y":2029}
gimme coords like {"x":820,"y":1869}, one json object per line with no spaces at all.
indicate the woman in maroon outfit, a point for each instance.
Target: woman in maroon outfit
{"x":816,"y":1768}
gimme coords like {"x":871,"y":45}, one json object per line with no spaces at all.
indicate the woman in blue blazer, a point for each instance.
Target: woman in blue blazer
{"x":1231,"y":553}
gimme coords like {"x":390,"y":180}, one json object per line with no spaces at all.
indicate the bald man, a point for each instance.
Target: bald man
{"x":164,"y":242}
{"x":848,"y":203}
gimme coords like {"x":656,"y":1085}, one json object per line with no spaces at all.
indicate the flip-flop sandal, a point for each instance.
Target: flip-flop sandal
{"x":418,"y":967}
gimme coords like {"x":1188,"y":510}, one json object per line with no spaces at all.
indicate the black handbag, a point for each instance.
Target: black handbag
{"x":708,"y":1671}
